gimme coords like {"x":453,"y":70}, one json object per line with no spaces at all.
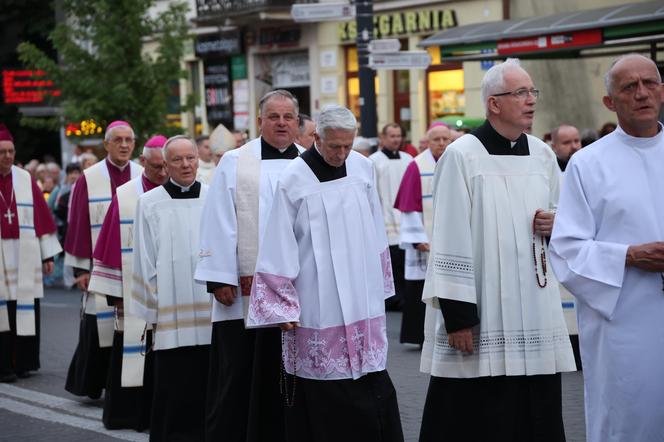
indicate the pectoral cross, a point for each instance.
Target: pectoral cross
{"x":9,"y":215}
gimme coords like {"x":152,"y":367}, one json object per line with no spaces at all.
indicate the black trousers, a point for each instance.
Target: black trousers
{"x":243,"y":402}
{"x":497,"y":409}
{"x":412,"y":320}
{"x":178,"y":403}
{"x":19,"y":354}
{"x":88,"y":369}
{"x":398,"y":258}
{"x":364,"y":409}
{"x":127,"y":407}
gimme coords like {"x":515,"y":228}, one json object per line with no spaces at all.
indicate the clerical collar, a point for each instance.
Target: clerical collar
{"x":121,"y":168}
{"x":323,"y":171}
{"x":497,"y":144}
{"x":177,"y":191}
{"x":269,"y":152}
{"x":391,"y":155}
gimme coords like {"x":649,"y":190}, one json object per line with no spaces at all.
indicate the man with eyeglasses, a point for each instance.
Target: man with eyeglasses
{"x":127,"y":396}
{"x":495,"y":337}
{"x":28,"y":244}
{"x":90,"y":200}
{"x":244,"y":402}
{"x":607,"y":250}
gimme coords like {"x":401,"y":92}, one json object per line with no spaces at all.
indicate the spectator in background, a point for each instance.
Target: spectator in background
{"x":607,"y":128}
{"x":88,"y":159}
{"x":588,"y":136}
{"x":240,"y":138}
{"x":362,"y":145}
{"x":565,"y":141}
{"x":405,"y":144}
{"x":206,"y":163}
{"x":423,"y":144}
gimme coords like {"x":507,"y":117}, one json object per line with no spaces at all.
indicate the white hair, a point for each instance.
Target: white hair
{"x":494,"y":80}
{"x":608,"y":77}
{"x":176,"y":138}
{"x":149,"y":151}
{"x":109,"y":132}
{"x":334,"y":116}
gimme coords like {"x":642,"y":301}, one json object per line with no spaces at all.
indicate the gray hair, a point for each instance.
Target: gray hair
{"x":334,"y":116}
{"x":556,"y":130}
{"x":109,"y":132}
{"x":148,"y":151}
{"x":176,"y":138}
{"x":282,"y":93}
{"x":494,"y":80}
{"x":608,"y":77}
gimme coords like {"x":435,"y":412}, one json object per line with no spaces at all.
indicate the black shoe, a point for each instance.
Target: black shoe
{"x":8,"y":378}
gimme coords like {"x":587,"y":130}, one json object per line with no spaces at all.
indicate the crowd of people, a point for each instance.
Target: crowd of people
{"x":236,"y":290}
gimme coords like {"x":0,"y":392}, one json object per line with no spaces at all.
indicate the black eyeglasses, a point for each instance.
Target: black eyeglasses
{"x":520,"y":93}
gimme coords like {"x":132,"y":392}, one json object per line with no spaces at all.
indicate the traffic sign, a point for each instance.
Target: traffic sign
{"x":385,"y":45}
{"x":317,"y":12}
{"x":400,"y":60}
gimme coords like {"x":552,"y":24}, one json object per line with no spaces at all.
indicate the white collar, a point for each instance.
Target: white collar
{"x":182,"y":188}
{"x":122,"y":168}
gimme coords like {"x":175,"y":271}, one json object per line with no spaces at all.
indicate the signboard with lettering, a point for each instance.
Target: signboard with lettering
{"x":384,"y":46}
{"x":403,"y":23}
{"x":556,"y":41}
{"x":218,"y":44}
{"x":318,"y":12}
{"x":27,"y":87}
{"x":400,"y":60}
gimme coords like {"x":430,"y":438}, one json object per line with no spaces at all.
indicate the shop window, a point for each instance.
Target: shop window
{"x":446,"y":93}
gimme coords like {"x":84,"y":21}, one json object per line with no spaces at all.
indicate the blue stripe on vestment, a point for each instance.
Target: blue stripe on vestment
{"x":25,"y":306}
{"x":426,"y":196}
{"x":26,"y":227}
{"x":24,"y":204}
{"x":426,"y":174}
{"x":128,"y":250}
{"x":105,"y":315}
{"x":99,"y":200}
{"x":95,"y":226}
{"x":128,"y":349}
{"x":126,"y":221}
{"x":3,"y":303}
{"x":568,"y":305}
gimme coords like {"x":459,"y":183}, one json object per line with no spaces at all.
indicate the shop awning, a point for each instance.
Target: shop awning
{"x":594,"y":32}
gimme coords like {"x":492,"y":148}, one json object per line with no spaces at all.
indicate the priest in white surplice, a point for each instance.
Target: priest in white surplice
{"x":390,"y":164}
{"x":495,"y":339}
{"x":27,"y":247}
{"x":415,"y":202}
{"x":607,"y":250}
{"x":243,"y":400}
{"x":322,"y":274}
{"x":165,"y":294}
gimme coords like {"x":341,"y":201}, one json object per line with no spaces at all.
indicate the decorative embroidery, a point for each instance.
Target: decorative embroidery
{"x":499,"y":341}
{"x":388,"y":279}
{"x":273,"y":300}
{"x":204,"y":253}
{"x":453,"y":265}
{"x":339,"y":352}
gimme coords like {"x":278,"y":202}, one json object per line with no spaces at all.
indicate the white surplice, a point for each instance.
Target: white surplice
{"x":164,"y":291}
{"x":612,"y":197}
{"x":326,"y":265}
{"x":219,"y":223}
{"x":388,"y":179}
{"x":481,"y":253}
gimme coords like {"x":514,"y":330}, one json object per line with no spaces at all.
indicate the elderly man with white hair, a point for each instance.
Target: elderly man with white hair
{"x":495,"y":337}
{"x":165,"y":295}
{"x":322,"y":275}
{"x":90,"y":200}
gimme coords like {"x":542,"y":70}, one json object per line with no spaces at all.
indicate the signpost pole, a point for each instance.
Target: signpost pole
{"x":364,"y":20}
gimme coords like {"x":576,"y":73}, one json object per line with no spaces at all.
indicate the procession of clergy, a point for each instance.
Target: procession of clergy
{"x":253,"y":308}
